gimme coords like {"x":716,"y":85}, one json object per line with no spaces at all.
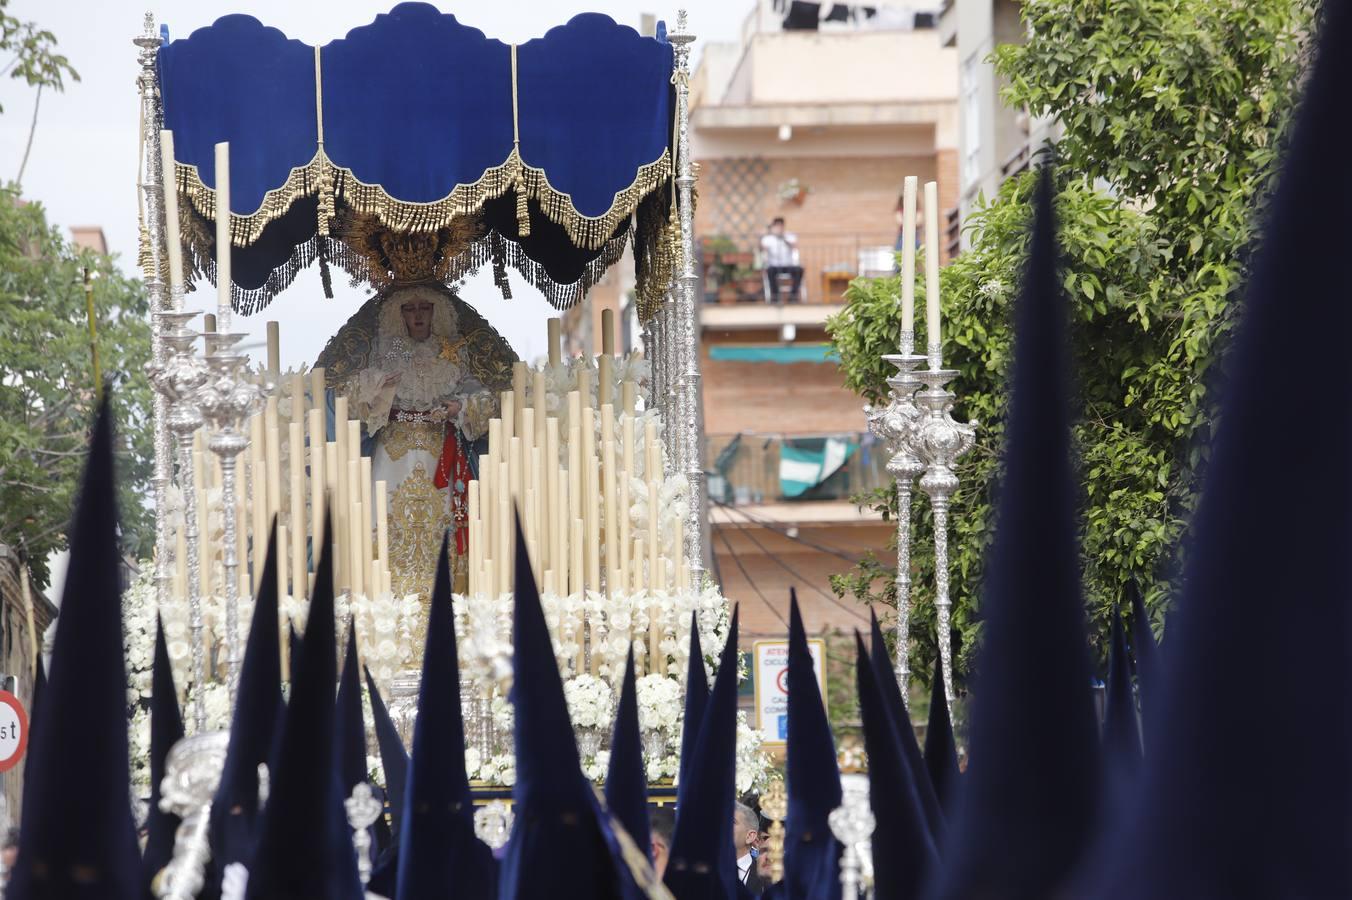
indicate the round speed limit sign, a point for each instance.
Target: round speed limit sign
{"x":13,"y":731}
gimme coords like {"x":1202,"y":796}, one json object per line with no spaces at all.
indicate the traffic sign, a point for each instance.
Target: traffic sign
{"x":770,"y":675}
{"x":13,"y":731}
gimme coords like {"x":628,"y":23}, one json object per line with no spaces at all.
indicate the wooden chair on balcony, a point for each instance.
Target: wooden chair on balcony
{"x":784,"y":285}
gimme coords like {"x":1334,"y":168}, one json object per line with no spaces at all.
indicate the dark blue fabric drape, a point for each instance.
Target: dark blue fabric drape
{"x":418,"y":103}
{"x":242,"y":82}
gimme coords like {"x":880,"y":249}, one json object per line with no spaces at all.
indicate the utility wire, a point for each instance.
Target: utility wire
{"x":771,"y":526}
{"x":745,"y":574}
{"x":799,"y":576}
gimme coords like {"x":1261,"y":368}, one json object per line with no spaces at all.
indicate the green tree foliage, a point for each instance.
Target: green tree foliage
{"x":29,"y":52}
{"x":1179,"y":106}
{"x":47,"y":393}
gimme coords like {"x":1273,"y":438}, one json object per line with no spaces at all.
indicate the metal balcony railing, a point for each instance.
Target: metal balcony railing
{"x":732,"y":267}
{"x":754,"y":468}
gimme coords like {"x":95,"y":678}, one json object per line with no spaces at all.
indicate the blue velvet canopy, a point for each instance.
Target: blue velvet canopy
{"x":547,"y":157}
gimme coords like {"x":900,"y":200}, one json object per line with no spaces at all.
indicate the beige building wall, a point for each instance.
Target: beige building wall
{"x":847,"y":115}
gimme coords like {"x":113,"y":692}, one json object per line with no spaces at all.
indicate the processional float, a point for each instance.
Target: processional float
{"x":333,"y":155}
{"x":416,"y":136}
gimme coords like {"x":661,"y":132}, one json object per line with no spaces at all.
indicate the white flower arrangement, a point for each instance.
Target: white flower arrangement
{"x":753,"y":765}
{"x":659,"y":703}
{"x":591,"y":702}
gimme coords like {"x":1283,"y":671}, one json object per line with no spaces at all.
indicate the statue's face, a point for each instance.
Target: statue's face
{"x":417,"y":313}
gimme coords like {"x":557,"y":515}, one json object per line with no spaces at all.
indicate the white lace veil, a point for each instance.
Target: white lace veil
{"x":390,"y":325}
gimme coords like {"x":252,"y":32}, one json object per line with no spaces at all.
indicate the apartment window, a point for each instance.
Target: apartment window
{"x":971,"y":122}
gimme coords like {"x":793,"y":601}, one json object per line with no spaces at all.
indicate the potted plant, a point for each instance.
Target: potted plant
{"x":750,"y":285}
{"x":792,"y":192}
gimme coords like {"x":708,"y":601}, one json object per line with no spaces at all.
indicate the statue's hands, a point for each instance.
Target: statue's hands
{"x":453,"y":409}
{"x":390,"y":380}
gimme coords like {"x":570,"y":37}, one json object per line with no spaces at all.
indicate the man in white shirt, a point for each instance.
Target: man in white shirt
{"x":745,"y":834}
{"x":779,"y":253}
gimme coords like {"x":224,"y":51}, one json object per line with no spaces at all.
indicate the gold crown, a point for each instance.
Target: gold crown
{"x":391,"y":258}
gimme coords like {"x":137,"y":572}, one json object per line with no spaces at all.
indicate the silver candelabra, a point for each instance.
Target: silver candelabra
{"x":918,"y":426}
{"x":226,"y":398}
{"x":896,"y":424}
{"x":178,"y":379}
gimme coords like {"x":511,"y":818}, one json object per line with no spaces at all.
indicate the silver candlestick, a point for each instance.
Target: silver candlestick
{"x":493,"y":823}
{"x":940,"y":441}
{"x":178,"y":380}
{"x":852,"y":823}
{"x":363,"y":809}
{"x":897,"y":425}
{"x":226,"y":398}
{"x":192,"y":772}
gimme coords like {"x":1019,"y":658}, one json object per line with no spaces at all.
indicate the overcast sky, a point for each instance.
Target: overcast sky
{"x":83,"y":162}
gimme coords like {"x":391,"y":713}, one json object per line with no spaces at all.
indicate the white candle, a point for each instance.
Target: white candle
{"x":540,"y":402}
{"x":908,"y":260}
{"x":223,"y":237}
{"x":552,"y":332}
{"x":366,"y":550}
{"x":169,"y":182}
{"x":382,"y":524}
{"x":933,"y":329}
{"x":274,"y":341}
{"x":281,"y":561}
{"x":296,"y":460}
{"x":608,"y":332}
{"x":518,"y":394}
{"x":317,"y":443}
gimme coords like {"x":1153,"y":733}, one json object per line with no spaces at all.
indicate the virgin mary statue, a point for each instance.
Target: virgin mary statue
{"x":422,"y":372}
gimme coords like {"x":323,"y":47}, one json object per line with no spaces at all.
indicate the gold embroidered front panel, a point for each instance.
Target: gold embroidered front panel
{"x":419,"y":515}
{"x":400,"y":437}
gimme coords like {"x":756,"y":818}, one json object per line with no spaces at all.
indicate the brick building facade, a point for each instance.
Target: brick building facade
{"x":819,"y":127}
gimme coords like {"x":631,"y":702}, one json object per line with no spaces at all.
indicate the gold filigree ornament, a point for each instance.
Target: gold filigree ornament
{"x":419,"y":516}
{"x":398,"y":438}
{"x":391,"y":257}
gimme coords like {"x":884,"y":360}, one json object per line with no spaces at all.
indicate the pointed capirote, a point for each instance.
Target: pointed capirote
{"x":886,"y":678}
{"x":1144,"y":649}
{"x":811,"y":851}
{"x":696,"y":699}
{"x":77,"y":838}
{"x":304,"y":847}
{"x":166,"y":729}
{"x":1121,"y":729}
{"x":1029,"y":797}
{"x":941,"y":745}
{"x":1246,"y":786}
{"x":393,"y":756}
{"x":904,"y":852}
{"x":253,"y":727}
{"x":555,"y":828}
{"x":351,"y":724}
{"x":626,"y":777}
{"x":39,"y":685}
{"x":439,"y":854}
{"x":353,"y":767}
{"x":701,"y":866}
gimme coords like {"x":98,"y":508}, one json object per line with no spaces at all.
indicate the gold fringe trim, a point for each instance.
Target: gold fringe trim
{"x":337,"y":183}
{"x":358,"y":266}
{"x":302,"y":181}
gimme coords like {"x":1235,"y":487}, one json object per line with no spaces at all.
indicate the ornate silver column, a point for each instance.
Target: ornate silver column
{"x":177,"y":382}
{"x":941,"y":442}
{"x":897,"y":425}
{"x":152,"y":237}
{"x":686,"y":343}
{"x":192,"y":773}
{"x":852,"y":823}
{"x":226,"y":398}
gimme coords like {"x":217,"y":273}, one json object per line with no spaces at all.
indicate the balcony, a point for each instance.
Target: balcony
{"x":732,"y":270}
{"x":756,"y":469}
